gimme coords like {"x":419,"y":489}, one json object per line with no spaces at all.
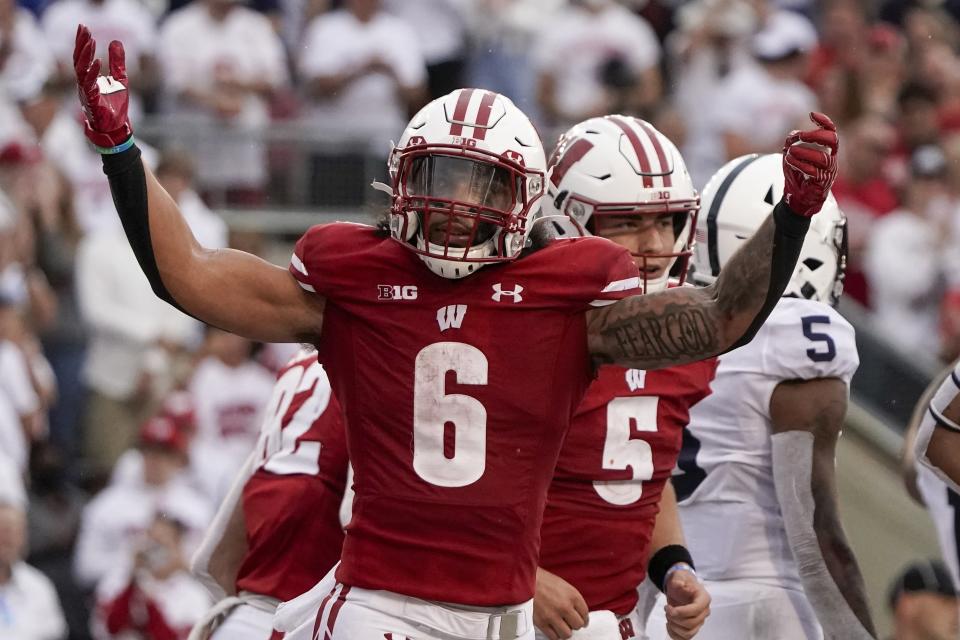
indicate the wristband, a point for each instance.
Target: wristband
{"x":120,"y":148}
{"x":664,"y":561}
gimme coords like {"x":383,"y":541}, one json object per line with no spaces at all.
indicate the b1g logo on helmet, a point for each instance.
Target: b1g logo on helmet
{"x":396,"y":292}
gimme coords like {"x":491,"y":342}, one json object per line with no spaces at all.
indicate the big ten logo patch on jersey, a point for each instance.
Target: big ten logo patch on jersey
{"x":396,"y":292}
{"x":451,"y":316}
{"x":636,"y":379}
{"x":510,"y":294}
{"x":626,"y":629}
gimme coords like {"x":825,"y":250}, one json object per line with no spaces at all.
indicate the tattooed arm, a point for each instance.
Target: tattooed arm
{"x":685,"y":324}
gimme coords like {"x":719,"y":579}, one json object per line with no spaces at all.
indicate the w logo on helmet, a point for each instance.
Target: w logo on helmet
{"x":498,"y":293}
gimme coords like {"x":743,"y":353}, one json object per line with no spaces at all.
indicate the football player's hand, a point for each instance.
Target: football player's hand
{"x":558,"y":608}
{"x":688,"y":604}
{"x":810,"y":165}
{"x":104,"y":98}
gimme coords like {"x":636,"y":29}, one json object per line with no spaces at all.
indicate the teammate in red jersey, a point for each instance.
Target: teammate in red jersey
{"x":458,"y":352}
{"x":598,"y":531}
{"x":278,"y":531}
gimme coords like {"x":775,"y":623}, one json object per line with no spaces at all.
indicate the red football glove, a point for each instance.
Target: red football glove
{"x":809,"y":172}
{"x":104,"y":99}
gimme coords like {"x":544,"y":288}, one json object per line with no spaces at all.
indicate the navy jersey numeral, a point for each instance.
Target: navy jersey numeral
{"x":825,"y":349}
{"x":692,"y":474}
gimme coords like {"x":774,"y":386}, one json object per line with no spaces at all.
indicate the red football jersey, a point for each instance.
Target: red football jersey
{"x":291,"y":503}
{"x":605,"y":494}
{"x":457,"y":394}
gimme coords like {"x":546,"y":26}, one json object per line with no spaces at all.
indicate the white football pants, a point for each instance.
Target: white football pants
{"x":747,"y":611}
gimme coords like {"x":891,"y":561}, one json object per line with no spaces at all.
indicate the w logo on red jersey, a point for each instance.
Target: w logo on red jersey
{"x":451,"y":316}
{"x":636,"y":379}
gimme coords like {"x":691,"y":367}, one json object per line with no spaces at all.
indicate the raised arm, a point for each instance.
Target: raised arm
{"x":807,"y":417}
{"x":232,"y":290}
{"x":687,"y":324}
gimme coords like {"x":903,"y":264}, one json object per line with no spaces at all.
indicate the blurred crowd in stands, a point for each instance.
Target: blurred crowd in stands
{"x":125,"y":420}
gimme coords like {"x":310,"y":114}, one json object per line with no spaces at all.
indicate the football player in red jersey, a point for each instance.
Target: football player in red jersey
{"x":278,"y":530}
{"x":598,"y":532}
{"x":457,"y":353}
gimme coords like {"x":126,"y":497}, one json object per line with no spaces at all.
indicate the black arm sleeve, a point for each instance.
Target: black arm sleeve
{"x":789,"y":231}
{"x":128,"y":185}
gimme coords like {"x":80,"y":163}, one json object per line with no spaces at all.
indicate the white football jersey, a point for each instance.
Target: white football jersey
{"x":724,"y":477}
{"x":943,"y":505}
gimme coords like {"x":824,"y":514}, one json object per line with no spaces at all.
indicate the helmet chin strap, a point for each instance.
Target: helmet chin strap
{"x":455,"y":269}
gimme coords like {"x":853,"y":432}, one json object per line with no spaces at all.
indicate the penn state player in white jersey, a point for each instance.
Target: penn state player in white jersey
{"x":933,"y":438}
{"x":758,"y":457}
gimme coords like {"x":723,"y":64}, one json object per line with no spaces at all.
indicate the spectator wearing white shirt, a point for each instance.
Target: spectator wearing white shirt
{"x":445,"y":49}
{"x":26,"y":61}
{"x":21,"y":420}
{"x":222,"y":62}
{"x":25,"y":65}
{"x":134,"y":337}
{"x":593,"y":58}
{"x":29,"y":607}
{"x":176,"y":171}
{"x":363,"y":71}
{"x":114,"y":521}
{"x":230,"y":391}
{"x":908,"y":255}
{"x":757,"y":103}
{"x":708,"y":47}
{"x":126,"y":20}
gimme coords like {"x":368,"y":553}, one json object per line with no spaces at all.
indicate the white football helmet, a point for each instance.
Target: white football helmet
{"x":736,"y":201}
{"x":465,"y":174}
{"x":622,"y":166}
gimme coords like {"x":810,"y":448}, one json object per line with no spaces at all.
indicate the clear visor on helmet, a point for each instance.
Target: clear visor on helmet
{"x":461,"y":203}
{"x":462,"y":180}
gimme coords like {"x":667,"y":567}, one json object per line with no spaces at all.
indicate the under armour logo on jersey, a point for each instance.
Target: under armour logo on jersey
{"x":636,"y":379}
{"x":396,"y":292}
{"x":498,"y":293}
{"x":451,"y":316}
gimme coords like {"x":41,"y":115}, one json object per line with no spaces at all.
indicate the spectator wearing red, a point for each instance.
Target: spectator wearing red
{"x":154,"y":597}
{"x":115,"y":519}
